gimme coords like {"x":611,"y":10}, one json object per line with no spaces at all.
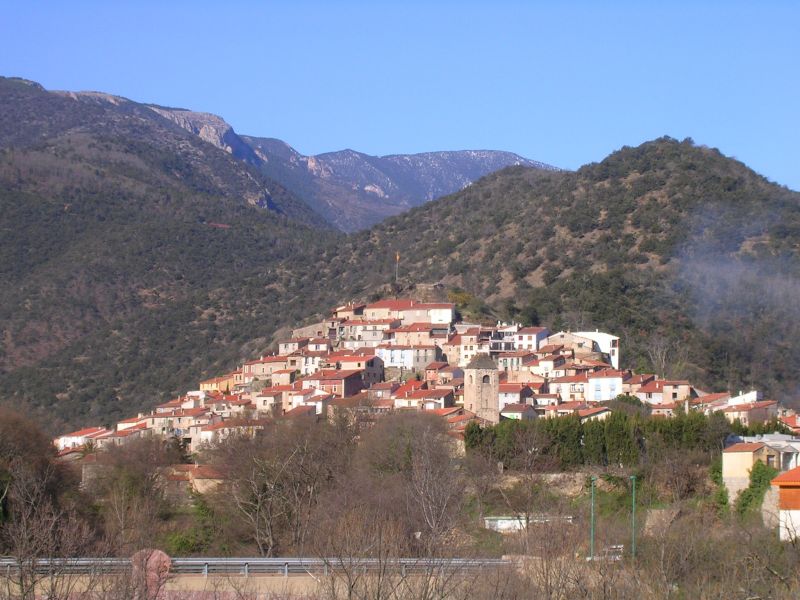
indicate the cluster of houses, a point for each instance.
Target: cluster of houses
{"x":366,"y":360}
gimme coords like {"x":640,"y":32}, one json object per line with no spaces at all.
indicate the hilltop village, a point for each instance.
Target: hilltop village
{"x":367,"y":360}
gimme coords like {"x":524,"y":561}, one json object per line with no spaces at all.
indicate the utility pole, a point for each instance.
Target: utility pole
{"x":591,"y":524}
{"x":396,"y":267}
{"x":633,"y":516}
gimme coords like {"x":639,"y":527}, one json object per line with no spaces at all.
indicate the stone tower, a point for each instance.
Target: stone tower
{"x":482,"y":388}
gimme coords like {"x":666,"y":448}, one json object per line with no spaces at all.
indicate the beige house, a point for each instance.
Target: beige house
{"x":519,"y":412}
{"x":752,"y":412}
{"x":224,"y":383}
{"x":663,"y":391}
{"x":414,"y":334}
{"x":738,"y":461}
{"x":426,"y":399}
{"x":263,"y":367}
{"x":351,"y":310}
{"x":371,"y":366}
{"x":513,"y":361}
{"x":461,"y":348}
{"x":387,"y":309}
{"x":435,"y":313}
{"x":569,"y":389}
{"x":365,"y":334}
{"x":293,"y":345}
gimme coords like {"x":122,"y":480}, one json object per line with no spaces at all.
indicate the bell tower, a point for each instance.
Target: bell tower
{"x":482,"y":388}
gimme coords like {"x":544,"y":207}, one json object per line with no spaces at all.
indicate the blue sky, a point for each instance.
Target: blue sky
{"x":561,"y":82}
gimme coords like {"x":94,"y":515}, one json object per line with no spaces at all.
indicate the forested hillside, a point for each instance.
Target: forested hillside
{"x":116,"y":226}
{"x":680,"y":250}
{"x":136,"y":258}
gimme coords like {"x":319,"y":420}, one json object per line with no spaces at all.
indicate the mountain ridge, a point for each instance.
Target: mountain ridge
{"x":351,"y":189}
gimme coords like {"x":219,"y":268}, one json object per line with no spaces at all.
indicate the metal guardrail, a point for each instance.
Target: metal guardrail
{"x":256,"y":566}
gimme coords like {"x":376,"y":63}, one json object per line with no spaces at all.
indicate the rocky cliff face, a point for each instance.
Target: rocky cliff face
{"x":351,"y":190}
{"x":210,"y":128}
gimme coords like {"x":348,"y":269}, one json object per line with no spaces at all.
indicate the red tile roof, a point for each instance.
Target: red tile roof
{"x":400,"y":304}
{"x":580,"y":378}
{"x":590,"y":412}
{"x":414,"y":328}
{"x":333,"y":374}
{"x":550,"y":349}
{"x":749,"y":406}
{"x":435,"y":305}
{"x":406,"y":347}
{"x":531,"y":330}
{"x":790,"y":477}
{"x":708,"y":398}
{"x":304,"y":410}
{"x":426,"y":394}
{"x":607,"y":373}
{"x":436,"y":365}
{"x":567,"y":406}
{"x":445,"y":412}
{"x":790,"y":421}
{"x":88,"y":432}
{"x":744,"y":447}
{"x":516,"y":408}
{"x":363,"y":323}
{"x":513,"y":388}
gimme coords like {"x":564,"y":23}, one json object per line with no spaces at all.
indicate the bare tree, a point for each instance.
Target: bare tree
{"x":482,"y":474}
{"x":36,"y":532}
{"x":668,"y":357}
{"x":128,"y":485}
{"x":275,"y":480}
{"x":436,"y":487}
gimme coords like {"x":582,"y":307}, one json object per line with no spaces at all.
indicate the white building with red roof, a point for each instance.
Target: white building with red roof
{"x":340,"y":383}
{"x":602,"y":386}
{"x":408,"y":358}
{"x":424,"y":399}
{"x":514,"y":393}
{"x":80,"y":437}
{"x":387,"y":309}
{"x":518,"y":412}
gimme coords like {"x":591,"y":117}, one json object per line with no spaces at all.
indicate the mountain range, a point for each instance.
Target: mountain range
{"x":350,"y":189}
{"x":138,"y":256}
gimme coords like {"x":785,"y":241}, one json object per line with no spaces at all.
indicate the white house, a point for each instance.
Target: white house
{"x":79,"y":438}
{"x":606,"y":343}
{"x":602,"y":386}
{"x":412,"y":358}
{"x":530,"y":338}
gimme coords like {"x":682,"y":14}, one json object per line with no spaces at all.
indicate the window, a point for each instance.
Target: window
{"x":485,"y":379}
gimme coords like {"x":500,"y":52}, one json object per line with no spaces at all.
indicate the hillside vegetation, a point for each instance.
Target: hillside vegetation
{"x":117,"y":228}
{"x":136,"y":258}
{"x":675,"y":247}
